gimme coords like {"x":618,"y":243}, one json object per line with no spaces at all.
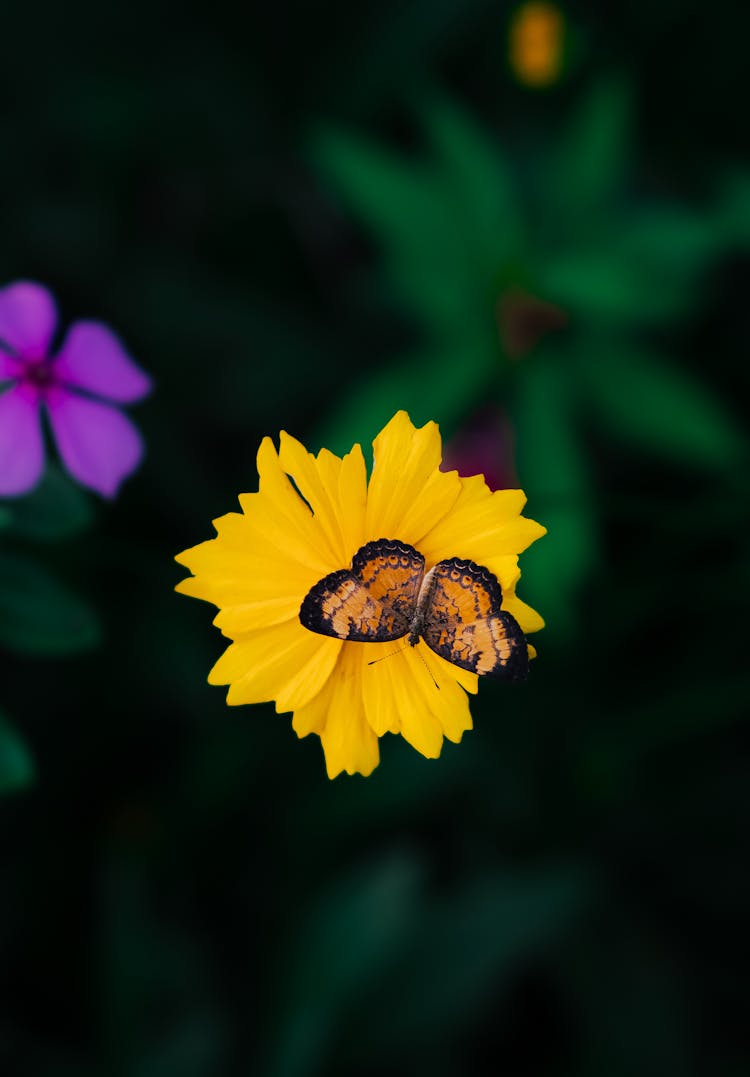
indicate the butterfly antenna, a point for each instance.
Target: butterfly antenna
{"x":390,"y":655}
{"x":384,"y":656}
{"x":432,"y":675}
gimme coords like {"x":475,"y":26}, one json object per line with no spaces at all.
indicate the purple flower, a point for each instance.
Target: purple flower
{"x":77,"y":386}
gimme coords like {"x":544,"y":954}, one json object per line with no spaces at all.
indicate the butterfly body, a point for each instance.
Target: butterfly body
{"x":421,"y":611}
{"x":455,"y":608}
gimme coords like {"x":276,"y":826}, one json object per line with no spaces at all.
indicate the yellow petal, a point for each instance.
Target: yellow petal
{"x":205,"y":557}
{"x":400,"y":695}
{"x":407,"y":494}
{"x":312,"y":716}
{"x":345,"y":478}
{"x":241,"y":544}
{"x":437,"y":685}
{"x":482,"y":526}
{"x":247,"y":582}
{"x":271,"y":534}
{"x":352,"y":500}
{"x":280,"y":516}
{"x":308,"y":474}
{"x":377,"y":685}
{"x":507,"y":504}
{"x":198,"y":589}
{"x":416,"y":698}
{"x":455,"y":715}
{"x":274,"y":483}
{"x":348,"y":741}
{"x":249,"y":617}
{"x":308,"y":681}
{"x":451,"y":704}
{"x":218,"y":592}
{"x":226,"y":575}
{"x":442,"y":670}
{"x":528,"y":618}
{"x":267,"y":535}
{"x":259,"y":667}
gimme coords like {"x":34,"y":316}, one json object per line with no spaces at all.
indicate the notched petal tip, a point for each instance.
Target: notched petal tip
{"x":335,"y":769}
{"x":183,"y":586}
{"x":527,"y":617}
{"x":266,"y":456}
{"x":408,"y":493}
{"x":400,"y":419}
{"x":401,"y":426}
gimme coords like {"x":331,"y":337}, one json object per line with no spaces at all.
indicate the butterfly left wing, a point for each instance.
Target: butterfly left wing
{"x":374,"y":601}
{"x":463,"y":621}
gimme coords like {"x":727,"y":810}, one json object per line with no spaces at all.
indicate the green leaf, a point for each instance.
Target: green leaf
{"x":602,"y":285}
{"x":56,"y":509}
{"x":483,"y":186}
{"x":660,"y":408}
{"x":463,"y":947}
{"x":553,"y":471}
{"x":645,"y":269}
{"x":38,"y":614}
{"x":16,"y":765}
{"x":609,"y":756}
{"x":358,"y":926}
{"x":417,"y":217}
{"x":586,"y":171}
{"x":380,"y":932}
{"x":671,"y":239}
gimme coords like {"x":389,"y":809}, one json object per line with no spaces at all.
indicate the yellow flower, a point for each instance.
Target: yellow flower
{"x":265,"y":559}
{"x":536,"y":43}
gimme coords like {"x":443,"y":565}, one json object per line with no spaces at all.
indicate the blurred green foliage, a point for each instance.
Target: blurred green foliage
{"x":16,"y":765}
{"x":307,"y":220}
{"x":465,"y":243}
{"x":39,"y":615}
{"x":56,"y":509}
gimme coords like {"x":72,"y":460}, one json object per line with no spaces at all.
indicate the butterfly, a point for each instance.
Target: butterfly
{"x":455,"y":608}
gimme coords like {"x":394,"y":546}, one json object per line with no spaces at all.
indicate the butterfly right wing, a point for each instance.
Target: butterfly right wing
{"x":463,"y":621}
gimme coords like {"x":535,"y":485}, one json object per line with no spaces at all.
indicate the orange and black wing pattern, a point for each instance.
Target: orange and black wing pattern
{"x":373,"y":601}
{"x":464,"y":622}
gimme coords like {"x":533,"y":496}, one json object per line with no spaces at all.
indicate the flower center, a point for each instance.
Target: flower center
{"x":39,"y":374}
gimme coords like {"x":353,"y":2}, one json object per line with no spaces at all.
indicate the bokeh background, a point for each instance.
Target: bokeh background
{"x":532,"y":225}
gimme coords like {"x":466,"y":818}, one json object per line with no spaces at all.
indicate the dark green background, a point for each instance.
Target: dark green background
{"x":300,"y":218}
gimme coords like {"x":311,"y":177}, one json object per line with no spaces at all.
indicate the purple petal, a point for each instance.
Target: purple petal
{"x":93,"y":359}
{"x":10,"y":368}
{"x":28,"y":317}
{"x":21,"y":443}
{"x":98,"y":444}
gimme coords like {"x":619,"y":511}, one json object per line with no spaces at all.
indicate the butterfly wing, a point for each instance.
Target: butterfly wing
{"x":374,"y":601}
{"x":463,"y":621}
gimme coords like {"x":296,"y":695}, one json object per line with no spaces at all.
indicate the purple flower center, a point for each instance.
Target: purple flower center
{"x":39,"y":374}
